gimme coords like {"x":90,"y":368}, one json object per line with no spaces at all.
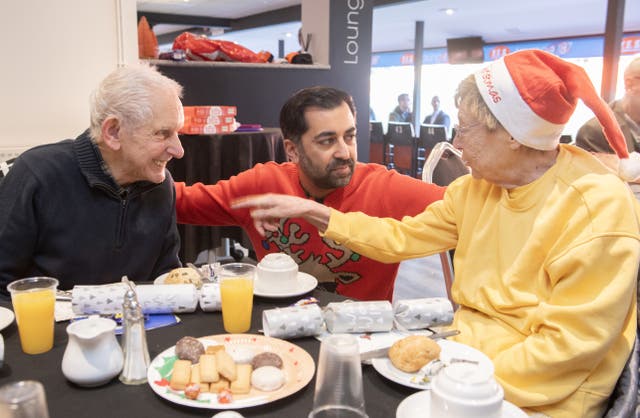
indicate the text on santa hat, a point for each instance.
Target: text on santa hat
{"x":488,"y":82}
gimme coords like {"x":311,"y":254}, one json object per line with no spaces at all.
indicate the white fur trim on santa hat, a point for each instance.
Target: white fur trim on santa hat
{"x":629,"y":169}
{"x":503,"y":99}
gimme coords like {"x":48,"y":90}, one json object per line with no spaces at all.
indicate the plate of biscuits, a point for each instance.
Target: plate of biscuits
{"x":415,"y":359}
{"x":229,"y":371}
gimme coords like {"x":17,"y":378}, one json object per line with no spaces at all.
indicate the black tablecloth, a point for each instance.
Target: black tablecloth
{"x":115,"y":399}
{"x":209,"y":158}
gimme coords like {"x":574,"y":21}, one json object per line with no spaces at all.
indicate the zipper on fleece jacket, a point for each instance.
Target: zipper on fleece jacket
{"x":120,"y":232}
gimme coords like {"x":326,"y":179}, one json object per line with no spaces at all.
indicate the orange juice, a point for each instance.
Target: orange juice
{"x":237,"y":300}
{"x":34,"y":316}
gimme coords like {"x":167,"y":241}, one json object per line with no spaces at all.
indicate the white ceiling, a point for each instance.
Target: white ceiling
{"x":394,"y":25}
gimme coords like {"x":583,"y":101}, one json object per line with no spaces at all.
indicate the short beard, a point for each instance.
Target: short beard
{"x":325,"y":178}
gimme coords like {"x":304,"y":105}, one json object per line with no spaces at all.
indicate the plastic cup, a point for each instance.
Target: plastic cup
{"x":23,"y":399}
{"x":33,"y":302}
{"x":338,"y":392}
{"x":236,"y":294}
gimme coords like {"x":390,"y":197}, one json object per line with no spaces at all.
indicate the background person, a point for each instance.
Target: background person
{"x":546,"y":237}
{"x":319,"y":128}
{"x":402,"y":112}
{"x":90,"y":210}
{"x":626,"y":112}
{"x":438,"y":117}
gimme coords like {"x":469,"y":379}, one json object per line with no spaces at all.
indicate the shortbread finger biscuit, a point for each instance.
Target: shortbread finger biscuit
{"x":242,"y":384}
{"x":208,"y":368}
{"x":181,"y":374}
{"x":226,"y":365}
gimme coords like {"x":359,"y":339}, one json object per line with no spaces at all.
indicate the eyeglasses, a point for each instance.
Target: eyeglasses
{"x":464,"y":130}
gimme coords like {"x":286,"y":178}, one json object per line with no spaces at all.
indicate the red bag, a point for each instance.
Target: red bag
{"x":147,"y":41}
{"x":201,"y":48}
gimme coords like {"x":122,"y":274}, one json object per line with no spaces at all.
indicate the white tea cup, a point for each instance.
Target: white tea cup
{"x":466,"y":390}
{"x":277,"y":271}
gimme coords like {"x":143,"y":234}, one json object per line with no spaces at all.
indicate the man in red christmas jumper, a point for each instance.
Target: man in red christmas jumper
{"x":319,"y":128}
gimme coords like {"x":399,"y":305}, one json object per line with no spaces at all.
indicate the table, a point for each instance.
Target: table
{"x":209,"y":158}
{"x":116,"y":399}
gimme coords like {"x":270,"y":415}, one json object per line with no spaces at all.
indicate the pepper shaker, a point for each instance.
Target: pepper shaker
{"x":134,"y":342}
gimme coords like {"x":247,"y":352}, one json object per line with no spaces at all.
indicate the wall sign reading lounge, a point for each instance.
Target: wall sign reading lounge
{"x":353,"y":30}
{"x":583,"y":47}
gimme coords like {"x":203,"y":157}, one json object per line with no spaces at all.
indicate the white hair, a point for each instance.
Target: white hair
{"x":127,"y":95}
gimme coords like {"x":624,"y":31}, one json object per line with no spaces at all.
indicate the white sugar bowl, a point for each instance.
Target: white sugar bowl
{"x":466,"y":390}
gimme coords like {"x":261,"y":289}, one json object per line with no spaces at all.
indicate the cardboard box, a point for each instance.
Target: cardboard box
{"x":199,"y":129}
{"x":207,"y":111}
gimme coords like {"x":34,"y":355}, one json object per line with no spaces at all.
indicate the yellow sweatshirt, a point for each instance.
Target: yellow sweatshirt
{"x":545,"y":276}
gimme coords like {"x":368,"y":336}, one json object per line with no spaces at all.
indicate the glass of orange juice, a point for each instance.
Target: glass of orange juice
{"x":33,"y":302}
{"x":236,"y":292}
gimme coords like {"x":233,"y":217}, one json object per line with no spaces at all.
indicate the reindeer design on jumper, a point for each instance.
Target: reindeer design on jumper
{"x":291,"y":238}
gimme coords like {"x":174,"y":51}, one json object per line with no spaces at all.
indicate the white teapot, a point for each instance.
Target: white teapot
{"x":93,"y":356}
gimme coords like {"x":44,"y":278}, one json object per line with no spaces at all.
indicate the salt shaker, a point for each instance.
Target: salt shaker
{"x":134,"y":342}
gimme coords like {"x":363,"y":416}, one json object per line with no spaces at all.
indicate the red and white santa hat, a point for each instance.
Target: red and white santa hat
{"x":533,"y":94}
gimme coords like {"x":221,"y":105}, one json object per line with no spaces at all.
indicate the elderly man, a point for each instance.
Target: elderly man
{"x":90,"y":210}
{"x":626,"y":111}
{"x":319,"y":127}
{"x":547,"y":239}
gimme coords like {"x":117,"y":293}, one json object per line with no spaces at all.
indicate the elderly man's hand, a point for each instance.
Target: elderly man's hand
{"x":268,"y":209}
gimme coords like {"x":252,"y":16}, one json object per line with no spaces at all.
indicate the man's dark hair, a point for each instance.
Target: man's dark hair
{"x":292,"y":121}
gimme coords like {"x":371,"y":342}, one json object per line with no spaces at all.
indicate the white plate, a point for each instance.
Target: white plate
{"x":306,"y":283}
{"x":418,"y":404}
{"x":298,"y":367}
{"x":6,"y":317}
{"x":450,"y":350}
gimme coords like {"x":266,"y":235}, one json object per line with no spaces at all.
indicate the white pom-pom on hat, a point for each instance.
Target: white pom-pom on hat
{"x":533,"y":94}
{"x":629,"y":169}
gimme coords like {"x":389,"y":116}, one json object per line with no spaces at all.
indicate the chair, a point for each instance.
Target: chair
{"x":566,"y":139}
{"x":399,"y":148}
{"x":376,"y":145}
{"x":429,"y":136}
{"x":444,"y":164}
{"x":623,"y":402}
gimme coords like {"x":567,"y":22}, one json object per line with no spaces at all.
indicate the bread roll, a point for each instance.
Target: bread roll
{"x":184,"y":275}
{"x":411,"y":353}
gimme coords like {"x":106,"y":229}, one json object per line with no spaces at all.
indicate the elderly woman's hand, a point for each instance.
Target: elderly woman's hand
{"x":268,"y":209}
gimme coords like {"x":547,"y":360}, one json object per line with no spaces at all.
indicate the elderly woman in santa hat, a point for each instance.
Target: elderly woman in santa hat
{"x":546,"y":237}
